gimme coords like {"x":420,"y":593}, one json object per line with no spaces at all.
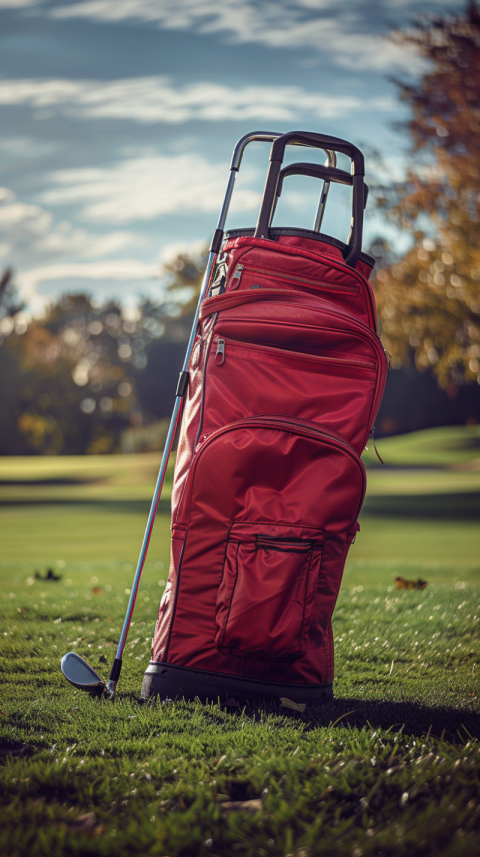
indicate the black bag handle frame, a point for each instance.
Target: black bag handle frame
{"x":356,"y":179}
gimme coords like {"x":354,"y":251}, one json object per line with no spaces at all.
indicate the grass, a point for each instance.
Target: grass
{"x":391,"y":767}
{"x":437,"y":447}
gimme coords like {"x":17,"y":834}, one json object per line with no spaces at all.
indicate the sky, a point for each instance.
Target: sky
{"x":118,"y":119}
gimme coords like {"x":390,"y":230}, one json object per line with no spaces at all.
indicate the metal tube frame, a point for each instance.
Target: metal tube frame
{"x":330,"y":162}
{"x":268,"y":137}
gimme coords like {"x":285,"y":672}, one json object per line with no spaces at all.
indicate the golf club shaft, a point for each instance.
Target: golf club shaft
{"x":176,"y":415}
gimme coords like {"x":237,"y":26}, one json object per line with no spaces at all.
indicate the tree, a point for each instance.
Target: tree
{"x":10,"y":373}
{"x":72,"y":381}
{"x":429,"y":301}
{"x":10,"y":304}
{"x":73,"y":389}
{"x":156,"y":386}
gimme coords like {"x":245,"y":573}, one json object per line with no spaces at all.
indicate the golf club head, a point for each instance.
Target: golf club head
{"x":79,"y":673}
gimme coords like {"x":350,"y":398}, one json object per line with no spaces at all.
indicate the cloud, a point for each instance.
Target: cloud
{"x":157,"y":99}
{"x":144,"y":187}
{"x":20,"y":219}
{"x":17,"y":4}
{"x":25,"y":147}
{"x":32,"y":226}
{"x":41,"y":250}
{"x":113,"y":271}
{"x":342,"y":29}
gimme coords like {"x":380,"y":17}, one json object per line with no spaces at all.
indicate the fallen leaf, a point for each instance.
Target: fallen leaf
{"x":295,"y":706}
{"x":84,"y":822}
{"x":250,"y":806}
{"x":403,"y":583}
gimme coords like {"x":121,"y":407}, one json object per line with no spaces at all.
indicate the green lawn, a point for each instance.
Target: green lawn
{"x":437,"y":447}
{"x":391,"y":767}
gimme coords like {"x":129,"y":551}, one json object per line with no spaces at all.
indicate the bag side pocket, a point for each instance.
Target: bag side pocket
{"x":266,"y":598}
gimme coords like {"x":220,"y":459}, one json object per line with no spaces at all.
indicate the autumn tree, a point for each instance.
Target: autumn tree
{"x":430,"y":299}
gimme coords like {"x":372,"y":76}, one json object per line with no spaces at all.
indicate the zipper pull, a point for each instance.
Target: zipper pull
{"x":237,"y":276}
{"x":372,"y":438}
{"x":220,"y":352}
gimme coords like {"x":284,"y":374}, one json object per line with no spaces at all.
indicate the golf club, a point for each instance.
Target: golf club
{"x":79,"y":673}
{"x":74,"y":668}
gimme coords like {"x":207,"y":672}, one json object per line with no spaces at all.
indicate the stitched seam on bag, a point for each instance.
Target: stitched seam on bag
{"x":316,"y":284}
{"x":305,"y":600}
{"x":175,"y":602}
{"x":231,"y":598}
{"x":276,"y":524}
{"x":320,"y":364}
{"x":259,"y":421}
{"x":291,"y":250}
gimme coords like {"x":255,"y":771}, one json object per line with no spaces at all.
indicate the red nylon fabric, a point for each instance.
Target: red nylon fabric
{"x":285,"y":380}
{"x":297,"y":264}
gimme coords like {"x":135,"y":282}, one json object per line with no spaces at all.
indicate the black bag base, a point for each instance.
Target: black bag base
{"x":174,"y":682}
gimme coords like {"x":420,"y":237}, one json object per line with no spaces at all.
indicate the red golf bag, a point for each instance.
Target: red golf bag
{"x":285,"y":378}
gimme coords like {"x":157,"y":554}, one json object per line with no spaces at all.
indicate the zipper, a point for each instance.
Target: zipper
{"x":301,"y":427}
{"x":220,"y":354}
{"x":218,"y":287}
{"x":372,"y":438}
{"x":206,"y":339}
{"x":226,"y":302}
{"x":284,"y":545}
{"x":331,"y":262}
{"x":220,"y":278}
{"x":283,"y":297}
{"x":237,"y":276}
{"x":322,"y":284}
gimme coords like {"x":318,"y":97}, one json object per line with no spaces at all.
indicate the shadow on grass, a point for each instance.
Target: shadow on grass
{"x":412,"y":718}
{"x":456,"y":725}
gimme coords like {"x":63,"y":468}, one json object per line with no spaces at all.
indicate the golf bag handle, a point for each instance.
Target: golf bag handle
{"x":267,"y":137}
{"x":319,"y":141}
{"x":317,"y":171}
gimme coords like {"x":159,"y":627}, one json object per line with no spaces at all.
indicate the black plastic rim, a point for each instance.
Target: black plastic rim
{"x":275,"y":232}
{"x":175,"y":682}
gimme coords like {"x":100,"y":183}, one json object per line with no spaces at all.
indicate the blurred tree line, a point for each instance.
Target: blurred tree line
{"x":73,"y":381}
{"x":429,"y":300}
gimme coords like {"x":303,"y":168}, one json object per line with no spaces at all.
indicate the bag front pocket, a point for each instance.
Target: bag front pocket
{"x":333,"y":388}
{"x":266,"y":598}
{"x":251,"y":277}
